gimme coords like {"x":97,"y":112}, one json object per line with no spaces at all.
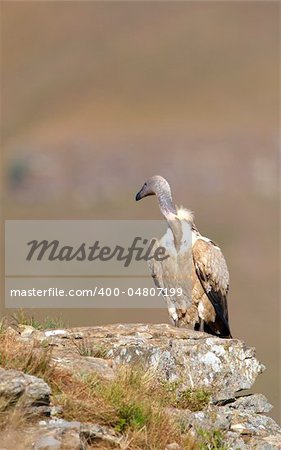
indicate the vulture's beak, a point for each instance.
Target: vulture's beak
{"x":138,"y":196}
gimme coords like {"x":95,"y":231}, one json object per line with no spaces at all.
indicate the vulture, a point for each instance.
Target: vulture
{"x":193,"y":263}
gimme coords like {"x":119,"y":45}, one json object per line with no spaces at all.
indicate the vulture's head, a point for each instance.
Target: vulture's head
{"x":155,"y":185}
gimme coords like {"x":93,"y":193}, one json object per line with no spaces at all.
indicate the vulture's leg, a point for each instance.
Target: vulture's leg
{"x":209,"y":330}
{"x":199,"y":326}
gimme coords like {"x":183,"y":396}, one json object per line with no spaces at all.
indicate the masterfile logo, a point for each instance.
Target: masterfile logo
{"x":55,"y":251}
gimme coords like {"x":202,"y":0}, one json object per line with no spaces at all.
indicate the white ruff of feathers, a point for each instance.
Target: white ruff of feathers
{"x":185,"y":214}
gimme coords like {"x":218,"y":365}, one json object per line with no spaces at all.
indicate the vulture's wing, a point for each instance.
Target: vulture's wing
{"x":212,"y":272}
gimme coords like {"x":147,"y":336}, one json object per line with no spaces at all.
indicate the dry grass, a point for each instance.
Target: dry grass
{"x":15,"y":417}
{"x":130,"y":404}
{"x":15,"y":428}
{"x":32,"y":359}
{"x":134,"y":404}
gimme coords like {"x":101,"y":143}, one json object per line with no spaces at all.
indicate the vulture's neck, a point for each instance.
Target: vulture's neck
{"x":169,"y":211}
{"x":166,"y":204}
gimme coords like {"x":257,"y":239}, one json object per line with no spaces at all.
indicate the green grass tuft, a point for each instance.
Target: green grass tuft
{"x":192,"y":399}
{"x":22,"y":318}
{"x":211,"y":440}
{"x":132,"y":415}
{"x":86,"y":347}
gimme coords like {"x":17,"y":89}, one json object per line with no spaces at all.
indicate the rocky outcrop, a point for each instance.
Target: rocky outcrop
{"x":192,"y":358}
{"x":57,"y":434}
{"x":15,"y":386}
{"x":186,"y":359}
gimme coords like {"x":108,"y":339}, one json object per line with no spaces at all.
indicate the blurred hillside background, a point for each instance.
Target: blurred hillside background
{"x":98,"y":96}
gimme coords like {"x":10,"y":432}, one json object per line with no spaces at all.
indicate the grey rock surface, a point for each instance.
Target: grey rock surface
{"x":15,"y":385}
